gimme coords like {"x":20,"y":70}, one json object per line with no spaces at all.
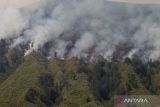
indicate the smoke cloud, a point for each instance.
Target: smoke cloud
{"x":68,"y":28}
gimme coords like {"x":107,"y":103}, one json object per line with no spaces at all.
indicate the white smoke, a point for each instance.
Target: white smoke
{"x":86,"y":42}
{"x":81,"y":27}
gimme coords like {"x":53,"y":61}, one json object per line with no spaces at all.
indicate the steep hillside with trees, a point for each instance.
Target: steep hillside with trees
{"x":38,"y":82}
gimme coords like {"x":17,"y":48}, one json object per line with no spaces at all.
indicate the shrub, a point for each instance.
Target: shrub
{"x":46,"y":80}
{"x":31,"y":95}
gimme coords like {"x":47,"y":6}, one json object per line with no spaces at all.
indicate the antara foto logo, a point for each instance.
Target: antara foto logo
{"x":125,"y":100}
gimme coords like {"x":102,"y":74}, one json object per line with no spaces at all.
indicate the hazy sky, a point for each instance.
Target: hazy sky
{"x":140,"y":1}
{"x":17,"y":3}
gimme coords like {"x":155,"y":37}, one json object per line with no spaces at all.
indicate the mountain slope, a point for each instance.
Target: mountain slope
{"x":38,"y":82}
{"x":17,"y":85}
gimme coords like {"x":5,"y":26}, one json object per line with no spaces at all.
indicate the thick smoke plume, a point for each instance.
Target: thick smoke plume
{"x":68,"y":28}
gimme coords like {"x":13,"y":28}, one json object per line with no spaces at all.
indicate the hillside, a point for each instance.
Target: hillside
{"x":38,"y":82}
{"x":78,"y":53}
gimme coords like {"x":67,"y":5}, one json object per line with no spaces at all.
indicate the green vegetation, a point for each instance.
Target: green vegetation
{"x":33,"y":81}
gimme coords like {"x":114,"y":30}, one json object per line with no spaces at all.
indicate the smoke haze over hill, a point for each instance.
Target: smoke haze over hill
{"x":82,"y":27}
